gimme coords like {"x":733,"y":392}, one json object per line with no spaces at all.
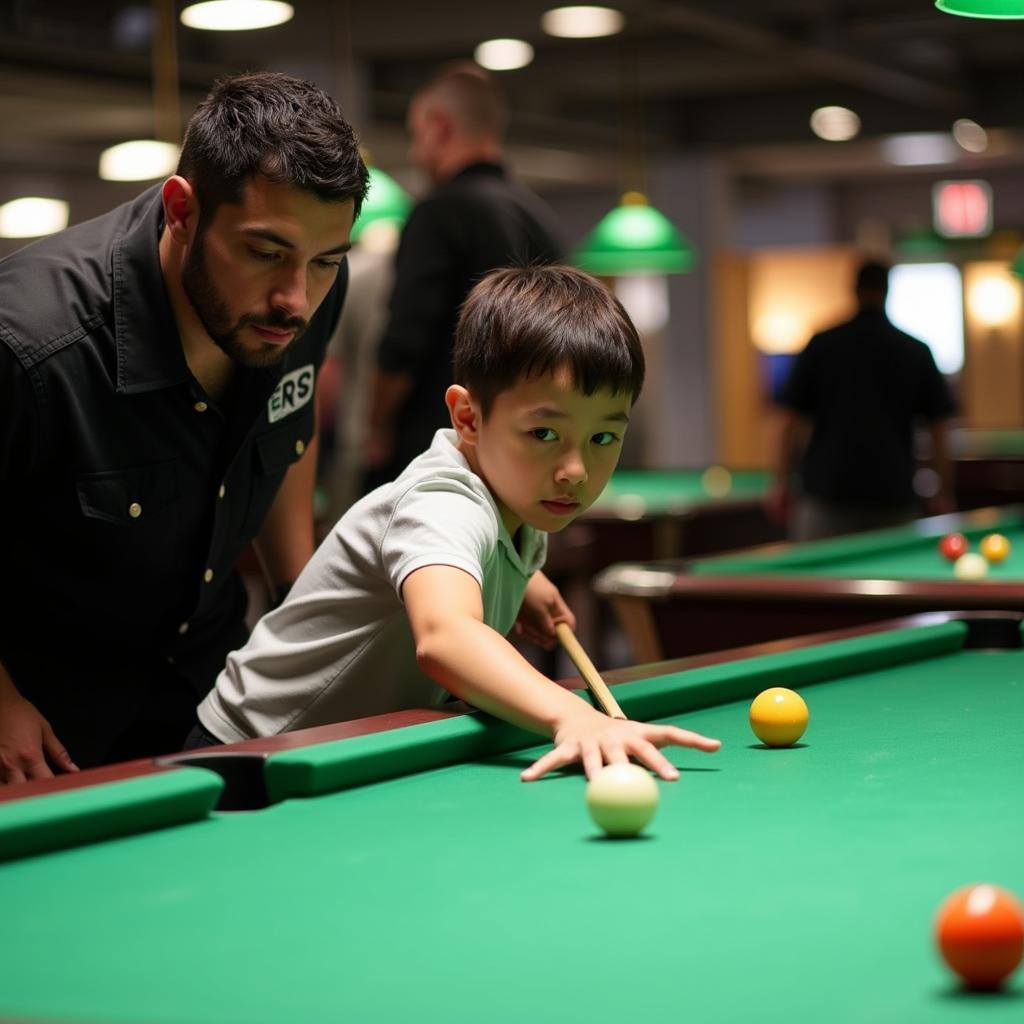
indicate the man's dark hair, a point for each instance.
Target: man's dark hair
{"x":521,"y":322}
{"x":275,"y":126}
{"x":873,"y":277}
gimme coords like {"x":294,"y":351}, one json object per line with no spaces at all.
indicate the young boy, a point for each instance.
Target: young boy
{"x":410,"y":596}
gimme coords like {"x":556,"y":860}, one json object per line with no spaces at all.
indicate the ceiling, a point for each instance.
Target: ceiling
{"x":736,"y":76}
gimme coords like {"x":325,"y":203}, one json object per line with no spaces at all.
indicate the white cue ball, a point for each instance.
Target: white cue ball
{"x":971,"y":566}
{"x":622,"y":798}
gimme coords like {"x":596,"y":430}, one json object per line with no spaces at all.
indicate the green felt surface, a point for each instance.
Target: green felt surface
{"x":792,"y":885}
{"x":981,"y":444}
{"x":663,"y":491}
{"x":904,"y":553}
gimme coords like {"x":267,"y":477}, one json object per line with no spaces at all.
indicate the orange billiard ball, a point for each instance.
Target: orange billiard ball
{"x":952,"y":546}
{"x":980,"y":933}
{"x":778,"y":716}
{"x":995,"y":547}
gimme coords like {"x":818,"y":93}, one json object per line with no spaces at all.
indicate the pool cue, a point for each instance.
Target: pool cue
{"x":585,"y":667}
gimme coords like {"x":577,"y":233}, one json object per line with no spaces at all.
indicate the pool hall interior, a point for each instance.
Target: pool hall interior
{"x":777,"y":146}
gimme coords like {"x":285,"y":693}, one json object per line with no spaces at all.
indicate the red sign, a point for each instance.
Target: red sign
{"x":962,"y":209}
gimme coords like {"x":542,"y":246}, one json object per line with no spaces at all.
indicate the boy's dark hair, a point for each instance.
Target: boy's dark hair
{"x":275,"y":126}
{"x":521,"y":322}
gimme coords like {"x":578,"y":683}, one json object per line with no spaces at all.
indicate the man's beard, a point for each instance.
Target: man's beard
{"x":213,"y":314}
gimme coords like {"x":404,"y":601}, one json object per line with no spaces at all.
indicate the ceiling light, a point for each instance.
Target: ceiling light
{"x":970,"y":135}
{"x":635,"y":238}
{"x":582,"y":22}
{"x":918,"y":149}
{"x":140,"y":160}
{"x":32,"y":216}
{"x":503,"y":54}
{"x":983,"y":8}
{"x":236,"y":15}
{"x":835,"y":124}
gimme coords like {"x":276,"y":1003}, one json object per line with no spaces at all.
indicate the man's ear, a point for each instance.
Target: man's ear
{"x":464,"y":412}
{"x":181,"y":209}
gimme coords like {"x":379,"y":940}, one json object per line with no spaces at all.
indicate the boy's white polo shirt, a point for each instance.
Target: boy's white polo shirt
{"x":340,"y":647}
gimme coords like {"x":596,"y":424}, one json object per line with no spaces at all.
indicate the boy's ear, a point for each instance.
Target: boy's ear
{"x":464,"y":413}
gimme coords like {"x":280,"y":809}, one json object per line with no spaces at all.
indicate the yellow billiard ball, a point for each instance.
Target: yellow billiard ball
{"x":778,"y":716}
{"x":995,"y":547}
{"x":622,"y":798}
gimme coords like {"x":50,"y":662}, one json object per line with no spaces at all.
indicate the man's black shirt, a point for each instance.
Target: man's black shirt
{"x":476,"y":222}
{"x":128,"y":492}
{"x":863,"y":384}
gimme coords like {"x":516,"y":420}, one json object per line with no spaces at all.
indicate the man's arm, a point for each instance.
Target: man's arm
{"x":285,"y":542}
{"x":791,"y":438}
{"x":469,"y":659}
{"x":26,"y":739}
{"x":945,"y":498}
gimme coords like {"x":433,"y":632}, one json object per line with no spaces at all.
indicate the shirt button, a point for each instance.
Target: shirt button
{"x":300,"y":447}
{"x":200,"y":407}
{"x":220,"y":493}
{"x":208,"y":575}
{"x":183,"y":628}
{"x":135,"y":510}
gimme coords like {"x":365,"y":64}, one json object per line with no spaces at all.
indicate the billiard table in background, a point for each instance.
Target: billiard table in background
{"x":675,"y":608}
{"x":397,"y":870}
{"x":988,"y":467}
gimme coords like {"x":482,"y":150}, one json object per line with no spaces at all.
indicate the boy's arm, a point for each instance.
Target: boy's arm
{"x":469,"y":659}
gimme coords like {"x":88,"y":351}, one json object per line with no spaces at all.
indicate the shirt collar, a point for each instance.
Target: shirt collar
{"x":149,"y":353}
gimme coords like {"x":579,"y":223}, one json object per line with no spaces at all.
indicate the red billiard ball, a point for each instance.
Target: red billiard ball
{"x":980,"y":933}
{"x":953,"y":545}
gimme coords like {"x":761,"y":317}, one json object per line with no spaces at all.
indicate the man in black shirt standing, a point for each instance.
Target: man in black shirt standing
{"x":475,"y":220}
{"x":157,"y":370}
{"x":853,"y":398}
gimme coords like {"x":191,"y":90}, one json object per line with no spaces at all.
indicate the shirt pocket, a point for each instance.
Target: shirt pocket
{"x":275,"y":451}
{"x":128,"y":497}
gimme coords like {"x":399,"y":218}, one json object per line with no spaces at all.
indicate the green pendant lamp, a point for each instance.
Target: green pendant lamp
{"x":983,"y":8}
{"x":1017,"y":264}
{"x":386,"y":200}
{"x":635,"y":238}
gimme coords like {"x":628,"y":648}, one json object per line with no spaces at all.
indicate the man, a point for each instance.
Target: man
{"x":474,"y":221}
{"x":157,"y":367}
{"x":853,"y":398}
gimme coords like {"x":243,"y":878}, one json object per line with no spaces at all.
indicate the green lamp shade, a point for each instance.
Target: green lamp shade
{"x":921,"y":244}
{"x":635,"y":238}
{"x":983,"y":8}
{"x":385,"y":200}
{"x":1017,"y":265}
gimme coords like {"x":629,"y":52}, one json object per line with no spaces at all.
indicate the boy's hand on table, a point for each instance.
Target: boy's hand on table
{"x":542,"y":607}
{"x":596,"y":740}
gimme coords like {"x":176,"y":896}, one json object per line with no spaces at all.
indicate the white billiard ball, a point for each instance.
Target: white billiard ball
{"x":622,"y":798}
{"x":971,"y":566}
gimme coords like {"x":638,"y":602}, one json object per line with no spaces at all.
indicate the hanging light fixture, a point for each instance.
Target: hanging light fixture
{"x":635,"y":238}
{"x":148,"y":159}
{"x":236,"y":15}
{"x":386,"y":202}
{"x":983,"y":8}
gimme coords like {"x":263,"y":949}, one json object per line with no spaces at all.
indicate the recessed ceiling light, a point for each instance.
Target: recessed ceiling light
{"x":582,"y":22}
{"x":835,"y":124}
{"x":503,"y":54}
{"x":919,"y":149}
{"x":236,"y":15}
{"x":139,"y":160}
{"x":32,"y":216}
{"x":970,"y":135}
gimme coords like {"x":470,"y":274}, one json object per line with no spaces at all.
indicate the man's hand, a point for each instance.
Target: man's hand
{"x":26,"y":741}
{"x":596,"y":740}
{"x":542,"y":607}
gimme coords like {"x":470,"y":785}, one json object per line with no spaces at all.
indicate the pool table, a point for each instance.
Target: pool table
{"x":677,"y":608}
{"x":988,"y":466}
{"x":398,"y":871}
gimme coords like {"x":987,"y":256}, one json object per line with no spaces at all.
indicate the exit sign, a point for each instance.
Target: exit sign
{"x":962,"y":209}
